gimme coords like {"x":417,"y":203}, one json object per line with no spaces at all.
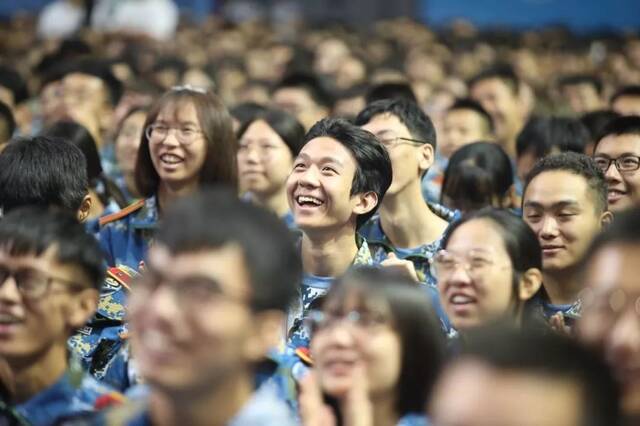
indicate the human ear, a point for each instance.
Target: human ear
{"x":366,"y":202}
{"x":529,"y":284}
{"x":267,"y":334}
{"x":82,"y":307}
{"x":426,"y":157}
{"x":606,"y":219}
{"x":85,"y":208}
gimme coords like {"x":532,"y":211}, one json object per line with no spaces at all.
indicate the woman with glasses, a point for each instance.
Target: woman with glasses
{"x":188,"y":142}
{"x":376,"y":350}
{"x":489,"y":270}
{"x":267,"y":146}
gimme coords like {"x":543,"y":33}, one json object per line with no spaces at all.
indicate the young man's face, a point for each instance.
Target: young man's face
{"x":319,"y":186}
{"x":462,"y":127}
{"x":623,"y":186}
{"x":41,"y":302}
{"x":561,"y":210}
{"x":611,"y":316}
{"x":516,"y":398}
{"x":502,"y":104}
{"x":191,"y":324}
{"x":86,"y":94}
{"x":407,"y":158}
{"x":298,"y":102}
{"x":582,"y":98}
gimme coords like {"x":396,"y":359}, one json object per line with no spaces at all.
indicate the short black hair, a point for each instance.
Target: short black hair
{"x":33,"y":230}
{"x":409,"y":113}
{"x":391,"y":90}
{"x":42,"y":171}
{"x":502,"y":72}
{"x":476,"y":175}
{"x":373,"y":171}
{"x":470,"y":104}
{"x":542,"y":135}
{"x":577,"y":164}
{"x":576,"y":79}
{"x":596,"y":121}
{"x":96,"y":68}
{"x":284,"y":124}
{"x":628,"y":125}
{"x":632,"y":90}
{"x":309,"y":82}
{"x":215,"y":217}
{"x":623,"y":230}
{"x":246,"y":111}
{"x":6,"y":115}
{"x":13,"y":81}
{"x":550,"y":355}
{"x":422,"y":347}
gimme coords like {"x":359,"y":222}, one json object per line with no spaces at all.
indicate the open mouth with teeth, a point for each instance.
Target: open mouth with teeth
{"x":308,"y":201}
{"x":461,"y":300}
{"x":614,"y":195}
{"x":170,"y":159}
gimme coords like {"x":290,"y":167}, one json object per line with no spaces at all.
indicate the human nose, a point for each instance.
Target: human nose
{"x":171,"y":138}
{"x":309,"y":177}
{"x":9,"y":291}
{"x":612,"y":174}
{"x":460,"y":274}
{"x":549,"y":228}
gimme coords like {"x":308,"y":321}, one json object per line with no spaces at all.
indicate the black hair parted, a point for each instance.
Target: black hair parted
{"x":409,"y":113}
{"x":42,"y":171}
{"x":502,"y":72}
{"x":577,"y":164}
{"x":391,"y":90}
{"x":33,"y":230}
{"x":542,"y":135}
{"x":96,"y":68}
{"x":214,"y":218}
{"x":470,"y":104}
{"x":628,"y":125}
{"x":284,"y":124}
{"x":422,"y":347}
{"x":373,"y":165}
{"x":551,"y":355}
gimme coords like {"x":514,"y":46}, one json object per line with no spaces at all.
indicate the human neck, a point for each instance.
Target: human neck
{"x":214,"y":408}
{"x":36,"y":375}
{"x":275,"y":201}
{"x":130,"y":182}
{"x":407,"y":220}
{"x":383,"y":411}
{"x":328,"y":254}
{"x":167,"y":193}
{"x":562,"y":287}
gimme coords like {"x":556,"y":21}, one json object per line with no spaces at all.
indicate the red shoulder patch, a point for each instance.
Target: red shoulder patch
{"x":120,"y":275}
{"x":305,"y":355}
{"x":122,"y":213}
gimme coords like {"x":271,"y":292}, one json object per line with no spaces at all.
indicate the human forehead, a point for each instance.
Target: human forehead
{"x":326,"y":148}
{"x":80,"y":79}
{"x":477,"y":234}
{"x":614,"y":267}
{"x":492,"y":85}
{"x":617,"y":145}
{"x":180,"y":111}
{"x":463,"y":116}
{"x":295,"y":95}
{"x":226,"y":265}
{"x":260,"y":129}
{"x":557,"y":186}
{"x":386,"y":122}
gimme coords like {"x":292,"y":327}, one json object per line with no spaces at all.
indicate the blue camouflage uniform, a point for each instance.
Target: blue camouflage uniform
{"x":311,"y":289}
{"x":570,"y":311}
{"x":101,"y":345}
{"x":75,"y":394}
{"x":125,"y":236}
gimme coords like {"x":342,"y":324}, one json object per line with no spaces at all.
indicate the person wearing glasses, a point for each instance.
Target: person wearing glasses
{"x":376,"y":350}
{"x":617,"y":154}
{"x":51,"y":271}
{"x":188,"y":142}
{"x":610,"y":321}
{"x":489,"y":269}
{"x":207,"y":310}
{"x":565,"y":203}
{"x":406,"y":232}
{"x":267,"y":145}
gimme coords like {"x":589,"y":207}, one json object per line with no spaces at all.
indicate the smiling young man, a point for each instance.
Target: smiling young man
{"x":208,"y":308}
{"x":617,"y":154}
{"x":337,"y":182}
{"x":50,"y":273}
{"x":405,"y":225}
{"x":565,"y":203}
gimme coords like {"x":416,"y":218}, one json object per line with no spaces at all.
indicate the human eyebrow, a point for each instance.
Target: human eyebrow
{"x":331,"y":160}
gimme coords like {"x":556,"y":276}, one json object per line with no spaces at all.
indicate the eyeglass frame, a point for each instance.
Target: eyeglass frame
{"x":616,"y":161}
{"x":49,"y":278}
{"x":148,"y":132}
{"x":396,"y":138}
{"x":457,"y":263}
{"x":352,"y":318}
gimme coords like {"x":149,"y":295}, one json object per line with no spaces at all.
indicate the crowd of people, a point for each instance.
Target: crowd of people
{"x":247,"y":224}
